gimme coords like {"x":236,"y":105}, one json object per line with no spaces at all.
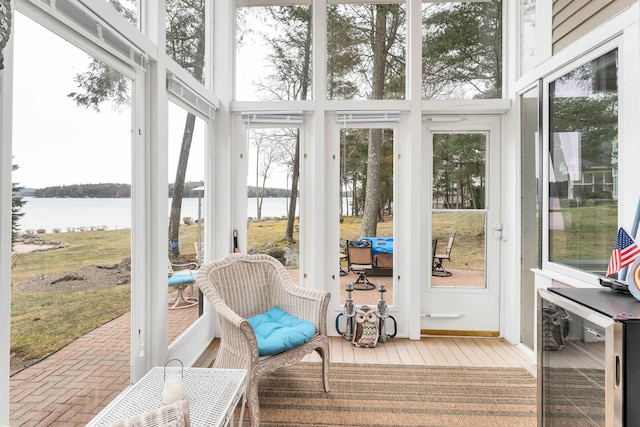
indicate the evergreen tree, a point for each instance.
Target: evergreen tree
{"x":16,"y":206}
{"x":462,"y":50}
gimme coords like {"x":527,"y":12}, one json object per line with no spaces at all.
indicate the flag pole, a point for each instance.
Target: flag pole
{"x":634,"y":231}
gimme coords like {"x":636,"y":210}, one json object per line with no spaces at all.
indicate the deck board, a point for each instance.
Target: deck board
{"x":429,"y":351}
{"x":457,"y":348}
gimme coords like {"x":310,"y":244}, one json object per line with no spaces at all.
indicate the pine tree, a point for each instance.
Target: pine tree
{"x":16,"y":206}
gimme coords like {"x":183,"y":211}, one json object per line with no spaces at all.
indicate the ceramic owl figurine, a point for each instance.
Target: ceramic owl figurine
{"x":366,"y":329}
{"x":554,"y":328}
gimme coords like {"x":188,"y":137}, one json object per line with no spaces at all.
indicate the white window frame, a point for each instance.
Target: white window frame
{"x":579,"y":277}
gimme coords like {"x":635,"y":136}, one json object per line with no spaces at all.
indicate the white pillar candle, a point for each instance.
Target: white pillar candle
{"x":173,"y":389}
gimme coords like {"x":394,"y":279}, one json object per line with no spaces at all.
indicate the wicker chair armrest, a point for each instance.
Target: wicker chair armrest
{"x":176,"y":414}
{"x":239,"y":342}
{"x":225,"y":311}
{"x":307,"y":304}
{"x":298,"y":291}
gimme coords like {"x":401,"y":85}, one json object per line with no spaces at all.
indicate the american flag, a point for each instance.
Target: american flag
{"x":624,"y":253}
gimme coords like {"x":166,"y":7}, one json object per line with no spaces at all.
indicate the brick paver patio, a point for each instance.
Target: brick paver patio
{"x":71,"y":386}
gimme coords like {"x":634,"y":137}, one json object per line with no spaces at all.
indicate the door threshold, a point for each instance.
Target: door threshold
{"x":439,"y":332}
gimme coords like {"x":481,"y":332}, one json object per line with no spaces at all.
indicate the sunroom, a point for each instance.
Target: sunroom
{"x":292,"y":127}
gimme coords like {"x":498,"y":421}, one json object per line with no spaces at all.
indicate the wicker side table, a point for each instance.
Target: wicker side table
{"x":213,"y":395}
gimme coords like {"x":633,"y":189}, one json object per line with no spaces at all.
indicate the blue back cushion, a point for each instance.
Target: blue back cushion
{"x":181,"y":278}
{"x":277,"y":331}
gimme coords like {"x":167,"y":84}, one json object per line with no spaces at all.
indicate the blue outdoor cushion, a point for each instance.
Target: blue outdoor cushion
{"x":277,"y":331}
{"x":182,"y":278}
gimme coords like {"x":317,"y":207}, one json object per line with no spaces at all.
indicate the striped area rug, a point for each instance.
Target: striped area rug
{"x":394,"y":395}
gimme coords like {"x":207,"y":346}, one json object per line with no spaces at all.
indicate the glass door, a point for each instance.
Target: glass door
{"x":462,"y":295}
{"x":367,"y":213}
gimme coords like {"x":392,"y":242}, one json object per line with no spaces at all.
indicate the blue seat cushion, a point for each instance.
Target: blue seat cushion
{"x":182,"y":278}
{"x":277,"y":331}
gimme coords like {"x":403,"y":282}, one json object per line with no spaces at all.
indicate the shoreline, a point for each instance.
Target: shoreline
{"x":23,"y":248}
{"x":67,"y":214}
{"x":29,"y":243}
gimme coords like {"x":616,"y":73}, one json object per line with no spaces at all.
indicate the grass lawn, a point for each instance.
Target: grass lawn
{"x":44,"y":322}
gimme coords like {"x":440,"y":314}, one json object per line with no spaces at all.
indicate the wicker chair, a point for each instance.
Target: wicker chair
{"x":240,"y":286}
{"x":176,"y":414}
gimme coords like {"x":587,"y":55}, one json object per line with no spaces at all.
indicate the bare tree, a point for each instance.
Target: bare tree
{"x":268,"y":156}
{"x":288,"y":144}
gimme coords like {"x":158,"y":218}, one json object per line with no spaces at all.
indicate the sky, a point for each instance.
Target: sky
{"x":251,"y":55}
{"x":57,"y":142}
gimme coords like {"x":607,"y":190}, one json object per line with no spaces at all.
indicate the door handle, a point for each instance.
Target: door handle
{"x":444,"y":315}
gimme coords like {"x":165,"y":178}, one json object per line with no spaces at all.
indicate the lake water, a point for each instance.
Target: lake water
{"x":50,"y":213}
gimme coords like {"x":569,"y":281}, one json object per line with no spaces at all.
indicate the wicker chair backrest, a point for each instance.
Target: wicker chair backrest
{"x":248,"y":284}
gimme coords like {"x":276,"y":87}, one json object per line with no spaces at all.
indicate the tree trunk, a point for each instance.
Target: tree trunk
{"x":372,"y":190}
{"x":304,"y":84}
{"x":263,"y":192}
{"x":355,"y":207}
{"x":178,"y":189}
{"x":258,"y":198}
{"x":183,"y":161}
{"x":291,"y":215}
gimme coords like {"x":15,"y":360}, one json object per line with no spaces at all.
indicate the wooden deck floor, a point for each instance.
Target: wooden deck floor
{"x":429,"y":351}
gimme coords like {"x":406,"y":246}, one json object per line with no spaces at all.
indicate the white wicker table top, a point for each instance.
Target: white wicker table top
{"x":213,"y":394}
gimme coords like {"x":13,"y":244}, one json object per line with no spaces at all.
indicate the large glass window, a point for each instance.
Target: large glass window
{"x":273,"y":193}
{"x":273,"y":53}
{"x":527,"y":35}
{"x":367,"y":213}
{"x":366,"y":51}
{"x":583,"y":165}
{"x":130,"y":9}
{"x":71,"y":269}
{"x":185,"y":33}
{"x":186,"y":224}
{"x":458,"y":209}
{"x":462,"y":50}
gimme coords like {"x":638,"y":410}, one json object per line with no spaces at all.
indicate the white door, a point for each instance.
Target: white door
{"x":461,"y":295}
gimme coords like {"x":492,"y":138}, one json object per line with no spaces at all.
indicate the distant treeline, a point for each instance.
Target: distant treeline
{"x":98,"y":191}
{"x":114,"y":191}
{"x":269,"y":192}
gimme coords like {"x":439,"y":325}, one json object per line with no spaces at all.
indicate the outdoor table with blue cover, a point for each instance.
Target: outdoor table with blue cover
{"x":382,"y":253}
{"x":379,"y":244}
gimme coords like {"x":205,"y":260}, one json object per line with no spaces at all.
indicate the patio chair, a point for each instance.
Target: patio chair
{"x":360,"y":261}
{"x":242,"y":286}
{"x":199,"y":251}
{"x":437,"y":269}
{"x":181,"y":276}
